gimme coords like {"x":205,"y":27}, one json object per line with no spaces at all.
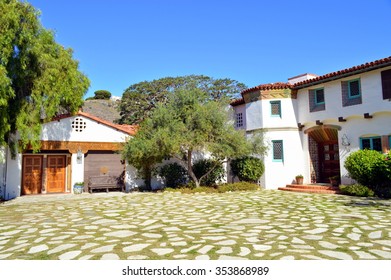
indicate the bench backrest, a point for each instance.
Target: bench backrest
{"x":103,"y":179}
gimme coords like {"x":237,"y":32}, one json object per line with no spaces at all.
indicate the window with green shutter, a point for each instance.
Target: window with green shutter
{"x":371,"y":143}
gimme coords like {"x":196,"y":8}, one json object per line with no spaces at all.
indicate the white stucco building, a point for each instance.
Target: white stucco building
{"x":72,"y":149}
{"x":312,"y":123}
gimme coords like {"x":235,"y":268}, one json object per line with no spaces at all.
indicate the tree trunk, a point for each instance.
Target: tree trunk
{"x":210,"y":171}
{"x":148,"y":177}
{"x":190,"y":169}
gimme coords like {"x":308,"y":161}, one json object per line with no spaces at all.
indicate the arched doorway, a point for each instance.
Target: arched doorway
{"x":324,"y":152}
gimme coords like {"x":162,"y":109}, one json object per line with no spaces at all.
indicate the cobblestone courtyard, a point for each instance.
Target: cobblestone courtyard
{"x":247,"y":225}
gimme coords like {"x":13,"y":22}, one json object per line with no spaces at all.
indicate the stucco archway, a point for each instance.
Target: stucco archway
{"x":323,"y":152}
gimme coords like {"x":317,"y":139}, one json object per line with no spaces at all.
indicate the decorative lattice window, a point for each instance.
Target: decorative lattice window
{"x":278,"y":150}
{"x":79,"y":125}
{"x":239,"y":119}
{"x":275,"y":107}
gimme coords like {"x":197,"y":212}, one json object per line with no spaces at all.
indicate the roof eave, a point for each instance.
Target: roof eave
{"x":343,"y":75}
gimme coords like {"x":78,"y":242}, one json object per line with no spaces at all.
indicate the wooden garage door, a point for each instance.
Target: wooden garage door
{"x":32,"y":175}
{"x":56,"y":174}
{"x":102,"y":162}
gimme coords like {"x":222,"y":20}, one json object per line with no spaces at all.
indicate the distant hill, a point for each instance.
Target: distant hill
{"x":104,"y":109}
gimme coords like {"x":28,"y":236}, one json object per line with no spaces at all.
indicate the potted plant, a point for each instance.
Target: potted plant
{"x":78,"y":187}
{"x":299,"y":179}
{"x":334,"y":180}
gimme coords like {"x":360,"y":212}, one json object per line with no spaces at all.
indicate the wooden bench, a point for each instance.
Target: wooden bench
{"x":104,"y":182}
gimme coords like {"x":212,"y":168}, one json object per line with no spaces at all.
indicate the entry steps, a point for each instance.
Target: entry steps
{"x":311,"y":188}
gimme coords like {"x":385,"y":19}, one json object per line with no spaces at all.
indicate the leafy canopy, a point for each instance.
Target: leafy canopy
{"x":38,"y":77}
{"x":139,"y":100}
{"x":101,"y":95}
{"x":190,"y":123}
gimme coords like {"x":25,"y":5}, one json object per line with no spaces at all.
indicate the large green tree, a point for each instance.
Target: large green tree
{"x":188,"y":124}
{"x":38,"y":77}
{"x":139,"y":100}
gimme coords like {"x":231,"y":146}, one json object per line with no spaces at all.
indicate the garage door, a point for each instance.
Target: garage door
{"x":102,"y":163}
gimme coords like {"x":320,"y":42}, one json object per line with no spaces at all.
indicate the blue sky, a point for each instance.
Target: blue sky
{"x":122,"y":42}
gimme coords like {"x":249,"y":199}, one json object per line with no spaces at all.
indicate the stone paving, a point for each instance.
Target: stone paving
{"x":239,"y":225}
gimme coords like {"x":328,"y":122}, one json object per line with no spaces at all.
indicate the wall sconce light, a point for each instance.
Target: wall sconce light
{"x":79,"y":156}
{"x":345,"y":141}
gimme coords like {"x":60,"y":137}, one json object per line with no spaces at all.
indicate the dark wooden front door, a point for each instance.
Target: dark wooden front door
{"x":56,"y":174}
{"x":32,"y":175}
{"x":329,"y":160}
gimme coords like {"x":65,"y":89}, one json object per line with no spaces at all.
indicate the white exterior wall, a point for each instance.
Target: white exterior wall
{"x":14,"y":176}
{"x":371,"y":92}
{"x":61,"y":130}
{"x":356,"y":125}
{"x":258,"y":116}
{"x":77,"y":170}
{"x":2,"y":171}
{"x":241,"y":109}
{"x":94,"y":132}
{"x":278,"y":174}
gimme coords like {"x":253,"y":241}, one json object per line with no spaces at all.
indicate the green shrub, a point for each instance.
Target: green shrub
{"x":356,"y":190}
{"x":202,"y":166}
{"x":240,"y":186}
{"x":173,"y":174}
{"x":371,"y":168}
{"x":248,"y":169}
{"x":361,"y":166}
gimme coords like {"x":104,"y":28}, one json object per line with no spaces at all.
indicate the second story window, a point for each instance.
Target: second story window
{"x":351,"y":92}
{"x":275,"y":108}
{"x":316,"y":99}
{"x":319,"y":96}
{"x":239,"y":119}
{"x":354,"y":88}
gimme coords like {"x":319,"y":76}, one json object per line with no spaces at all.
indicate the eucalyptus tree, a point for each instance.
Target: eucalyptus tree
{"x":38,"y":77}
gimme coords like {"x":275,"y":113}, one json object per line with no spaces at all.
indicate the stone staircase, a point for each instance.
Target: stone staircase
{"x":312,"y":188}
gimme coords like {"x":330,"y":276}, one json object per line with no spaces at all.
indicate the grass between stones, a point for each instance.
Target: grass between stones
{"x":239,"y":225}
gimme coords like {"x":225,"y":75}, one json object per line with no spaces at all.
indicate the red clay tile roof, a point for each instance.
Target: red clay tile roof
{"x":237,"y":102}
{"x":345,"y":72}
{"x":320,"y":79}
{"x":278,"y":85}
{"x":129,"y":129}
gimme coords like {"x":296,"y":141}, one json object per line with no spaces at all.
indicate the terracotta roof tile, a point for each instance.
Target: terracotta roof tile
{"x":345,"y":72}
{"x":237,"y":102}
{"x":129,"y":129}
{"x":334,"y":75}
{"x":278,"y":85}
